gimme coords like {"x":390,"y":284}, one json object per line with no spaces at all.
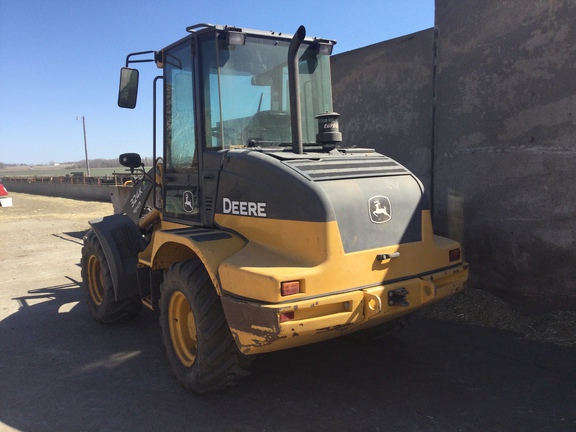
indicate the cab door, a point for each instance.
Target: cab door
{"x":181,"y":193}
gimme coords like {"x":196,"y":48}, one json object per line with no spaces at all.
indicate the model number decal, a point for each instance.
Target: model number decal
{"x":244,"y":208}
{"x":134,"y":201}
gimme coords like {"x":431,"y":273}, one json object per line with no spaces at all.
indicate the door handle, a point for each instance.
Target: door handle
{"x":382,"y":257}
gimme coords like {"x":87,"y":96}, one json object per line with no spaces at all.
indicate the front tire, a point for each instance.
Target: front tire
{"x":199,"y":345}
{"x":98,"y":287}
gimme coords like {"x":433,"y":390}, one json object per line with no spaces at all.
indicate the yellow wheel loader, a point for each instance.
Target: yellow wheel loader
{"x":259,"y":228}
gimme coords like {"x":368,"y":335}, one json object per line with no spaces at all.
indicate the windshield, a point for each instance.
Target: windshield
{"x":246,"y":95}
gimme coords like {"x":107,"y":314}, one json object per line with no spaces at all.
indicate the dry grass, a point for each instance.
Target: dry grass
{"x":478,"y":307}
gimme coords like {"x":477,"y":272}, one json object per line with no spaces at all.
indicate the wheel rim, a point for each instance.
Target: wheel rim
{"x":182,"y":328}
{"x":95,"y":280}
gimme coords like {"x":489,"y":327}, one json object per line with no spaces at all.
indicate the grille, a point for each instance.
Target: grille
{"x":347,"y":167}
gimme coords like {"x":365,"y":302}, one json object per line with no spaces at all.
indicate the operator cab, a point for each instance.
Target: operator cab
{"x":227,"y":88}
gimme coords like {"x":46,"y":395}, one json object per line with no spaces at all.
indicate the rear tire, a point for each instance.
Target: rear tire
{"x":199,"y":345}
{"x":98,"y":288}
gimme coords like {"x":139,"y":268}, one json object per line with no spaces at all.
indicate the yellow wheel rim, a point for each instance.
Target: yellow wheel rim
{"x":182,"y":328}
{"x":95,"y":280}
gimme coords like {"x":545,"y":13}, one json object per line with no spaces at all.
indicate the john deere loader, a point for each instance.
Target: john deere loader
{"x":259,"y":228}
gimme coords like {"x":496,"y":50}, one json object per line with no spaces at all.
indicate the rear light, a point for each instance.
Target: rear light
{"x":286,"y":316}
{"x":290,"y":288}
{"x":454,"y":255}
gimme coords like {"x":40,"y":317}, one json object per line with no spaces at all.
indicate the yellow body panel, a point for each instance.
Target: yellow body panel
{"x":259,"y":328}
{"x":340,"y":293}
{"x":312,"y":252}
{"x":169,"y":246}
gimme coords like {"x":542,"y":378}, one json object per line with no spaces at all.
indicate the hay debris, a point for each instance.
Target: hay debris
{"x":479,"y":307}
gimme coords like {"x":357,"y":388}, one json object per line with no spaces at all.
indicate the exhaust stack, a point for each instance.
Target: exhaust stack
{"x":294,"y":89}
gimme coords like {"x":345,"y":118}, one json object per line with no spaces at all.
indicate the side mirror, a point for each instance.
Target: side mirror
{"x":130,"y":160}
{"x":128,"y":91}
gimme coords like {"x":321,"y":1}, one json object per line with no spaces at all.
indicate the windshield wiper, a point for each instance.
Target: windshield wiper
{"x":264,"y":143}
{"x":275,"y":144}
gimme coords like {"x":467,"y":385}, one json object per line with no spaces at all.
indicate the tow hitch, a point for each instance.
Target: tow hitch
{"x":397,"y":297}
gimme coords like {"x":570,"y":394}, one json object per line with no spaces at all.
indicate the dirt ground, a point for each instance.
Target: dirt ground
{"x":469,"y":364}
{"x":37,"y":207}
{"x":32,"y":224}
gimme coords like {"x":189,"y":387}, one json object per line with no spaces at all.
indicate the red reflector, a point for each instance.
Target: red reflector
{"x":289,"y":288}
{"x":454,"y":255}
{"x":286,"y":316}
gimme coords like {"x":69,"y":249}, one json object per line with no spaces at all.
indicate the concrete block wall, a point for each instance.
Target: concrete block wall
{"x":497,"y":149}
{"x":505,"y":144}
{"x":86,"y":192}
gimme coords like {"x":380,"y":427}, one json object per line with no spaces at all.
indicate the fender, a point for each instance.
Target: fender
{"x":211,"y":246}
{"x":121,"y":242}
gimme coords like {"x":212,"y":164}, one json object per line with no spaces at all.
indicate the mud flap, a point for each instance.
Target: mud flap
{"x":121,"y":241}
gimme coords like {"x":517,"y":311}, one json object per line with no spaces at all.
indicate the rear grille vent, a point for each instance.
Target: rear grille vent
{"x":209,"y":210}
{"x":347,"y":167}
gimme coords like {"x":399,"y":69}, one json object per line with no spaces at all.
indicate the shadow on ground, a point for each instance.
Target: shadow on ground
{"x":62,"y":371}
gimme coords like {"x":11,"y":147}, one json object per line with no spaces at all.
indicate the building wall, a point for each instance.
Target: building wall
{"x":497,"y":149}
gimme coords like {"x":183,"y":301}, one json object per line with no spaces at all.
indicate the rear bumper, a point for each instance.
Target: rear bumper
{"x":259,"y":328}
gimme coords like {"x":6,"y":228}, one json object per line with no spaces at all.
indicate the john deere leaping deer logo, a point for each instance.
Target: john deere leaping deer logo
{"x":188,"y":201}
{"x":379,"y":209}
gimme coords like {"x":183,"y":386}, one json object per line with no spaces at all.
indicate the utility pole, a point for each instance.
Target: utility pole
{"x":85,"y":144}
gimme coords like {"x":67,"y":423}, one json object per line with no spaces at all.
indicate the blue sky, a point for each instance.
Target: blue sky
{"x":61,"y":59}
